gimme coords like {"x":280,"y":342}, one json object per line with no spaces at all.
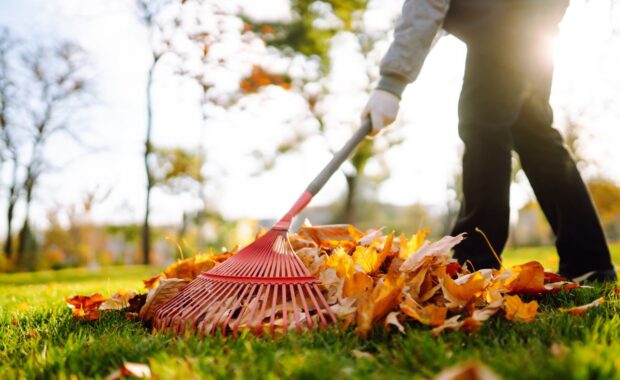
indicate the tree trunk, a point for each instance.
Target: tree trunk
{"x":8,"y":245}
{"x":24,"y":235}
{"x":148,"y":149}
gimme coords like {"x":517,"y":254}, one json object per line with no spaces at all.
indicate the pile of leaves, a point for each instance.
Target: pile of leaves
{"x":372,"y":278}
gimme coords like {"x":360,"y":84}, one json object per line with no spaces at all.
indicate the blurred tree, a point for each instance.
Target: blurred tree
{"x":212,"y":45}
{"x":177,"y":169}
{"x":54,"y":86}
{"x":606,"y":196}
{"x":8,"y":152}
{"x":150,"y":13}
{"x":309,"y":33}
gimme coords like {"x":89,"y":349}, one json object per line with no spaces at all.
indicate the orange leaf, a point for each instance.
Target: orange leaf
{"x":465,"y":289}
{"x":357,"y":284}
{"x":517,"y":310}
{"x":467,"y":371}
{"x":528,"y":278}
{"x":430,"y":315}
{"x":85,"y":307}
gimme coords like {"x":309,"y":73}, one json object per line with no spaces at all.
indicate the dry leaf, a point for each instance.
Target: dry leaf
{"x":467,"y":371}
{"x":517,"y":310}
{"x":409,"y":246}
{"x":118,"y":301}
{"x":558,"y":350}
{"x":165,"y":291}
{"x":357,"y":354}
{"x":85,"y":307}
{"x":580,"y":310}
{"x":528,"y":278}
{"x":138,"y":370}
{"x":440,"y":248}
{"x":430,"y":315}
{"x":392,"y":319}
{"x":465,"y":289}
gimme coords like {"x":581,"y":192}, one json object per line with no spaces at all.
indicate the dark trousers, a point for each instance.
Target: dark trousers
{"x":504,"y":106}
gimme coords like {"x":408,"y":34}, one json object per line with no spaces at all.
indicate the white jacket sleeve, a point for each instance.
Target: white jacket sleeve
{"x":419,"y":23}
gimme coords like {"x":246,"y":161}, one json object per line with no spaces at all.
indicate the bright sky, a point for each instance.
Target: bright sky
{"x":587,"y":82}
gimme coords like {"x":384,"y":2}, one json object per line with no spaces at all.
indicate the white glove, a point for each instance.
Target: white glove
{"x":382,"y":108}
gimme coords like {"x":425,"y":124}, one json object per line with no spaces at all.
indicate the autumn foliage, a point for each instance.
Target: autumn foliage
{"x":259,"y":78}
{"x":372,"y":278}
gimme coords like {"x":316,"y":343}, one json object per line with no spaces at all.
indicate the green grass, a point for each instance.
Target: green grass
{"x":45,"y":342}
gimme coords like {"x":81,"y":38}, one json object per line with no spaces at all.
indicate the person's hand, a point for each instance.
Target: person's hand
{"x":382,"y":108}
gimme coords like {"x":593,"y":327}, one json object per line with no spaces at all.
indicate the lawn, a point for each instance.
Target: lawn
{"x":39,"y":339}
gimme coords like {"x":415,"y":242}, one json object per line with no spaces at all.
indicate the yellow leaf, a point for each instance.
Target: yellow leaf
{"x":340,"y":261}
{"x":408,"y":247}
{"x":517,"y":310}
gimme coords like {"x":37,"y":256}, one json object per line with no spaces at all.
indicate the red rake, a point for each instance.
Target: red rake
{"x":264,"y":287}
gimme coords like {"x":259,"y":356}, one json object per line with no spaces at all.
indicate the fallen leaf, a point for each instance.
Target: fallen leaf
{"x":440,"y":248}
{"x":357,"y":284}
{"x":411,"y":245}
{"x":452,"y":323}
{"x":558,"y":350}
{"x":85,"y":307}
{"x":392,"y":319}
{"x":118,"y":300}
{"x":165,"y":291}
{"x":517,"y":310}
{"x":357,"y":354}
{"x":467,"y":371}
{"x":528,"y":278}
{"x":580,"y":310}
{"x":465,"y":289}
{"x":430,"y":315}
{"x":138,"y":370}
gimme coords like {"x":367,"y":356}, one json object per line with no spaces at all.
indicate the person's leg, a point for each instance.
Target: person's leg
{"x":490,"y":100}
{"x":556,"y":181}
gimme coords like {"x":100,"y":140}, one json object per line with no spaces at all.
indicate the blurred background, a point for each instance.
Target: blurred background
{"x":136,"y":131}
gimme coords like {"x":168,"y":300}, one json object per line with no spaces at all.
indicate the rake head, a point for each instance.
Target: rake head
{"x":264,"y":288}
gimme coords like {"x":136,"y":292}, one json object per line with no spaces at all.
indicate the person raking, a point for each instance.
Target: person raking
{"x":503,"y":106}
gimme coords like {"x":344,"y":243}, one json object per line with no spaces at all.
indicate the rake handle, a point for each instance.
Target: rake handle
{"x":319,"y":181}
{"x":339,"y":157}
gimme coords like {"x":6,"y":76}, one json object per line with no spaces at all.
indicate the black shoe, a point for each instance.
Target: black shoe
{"x":604,"y":275}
